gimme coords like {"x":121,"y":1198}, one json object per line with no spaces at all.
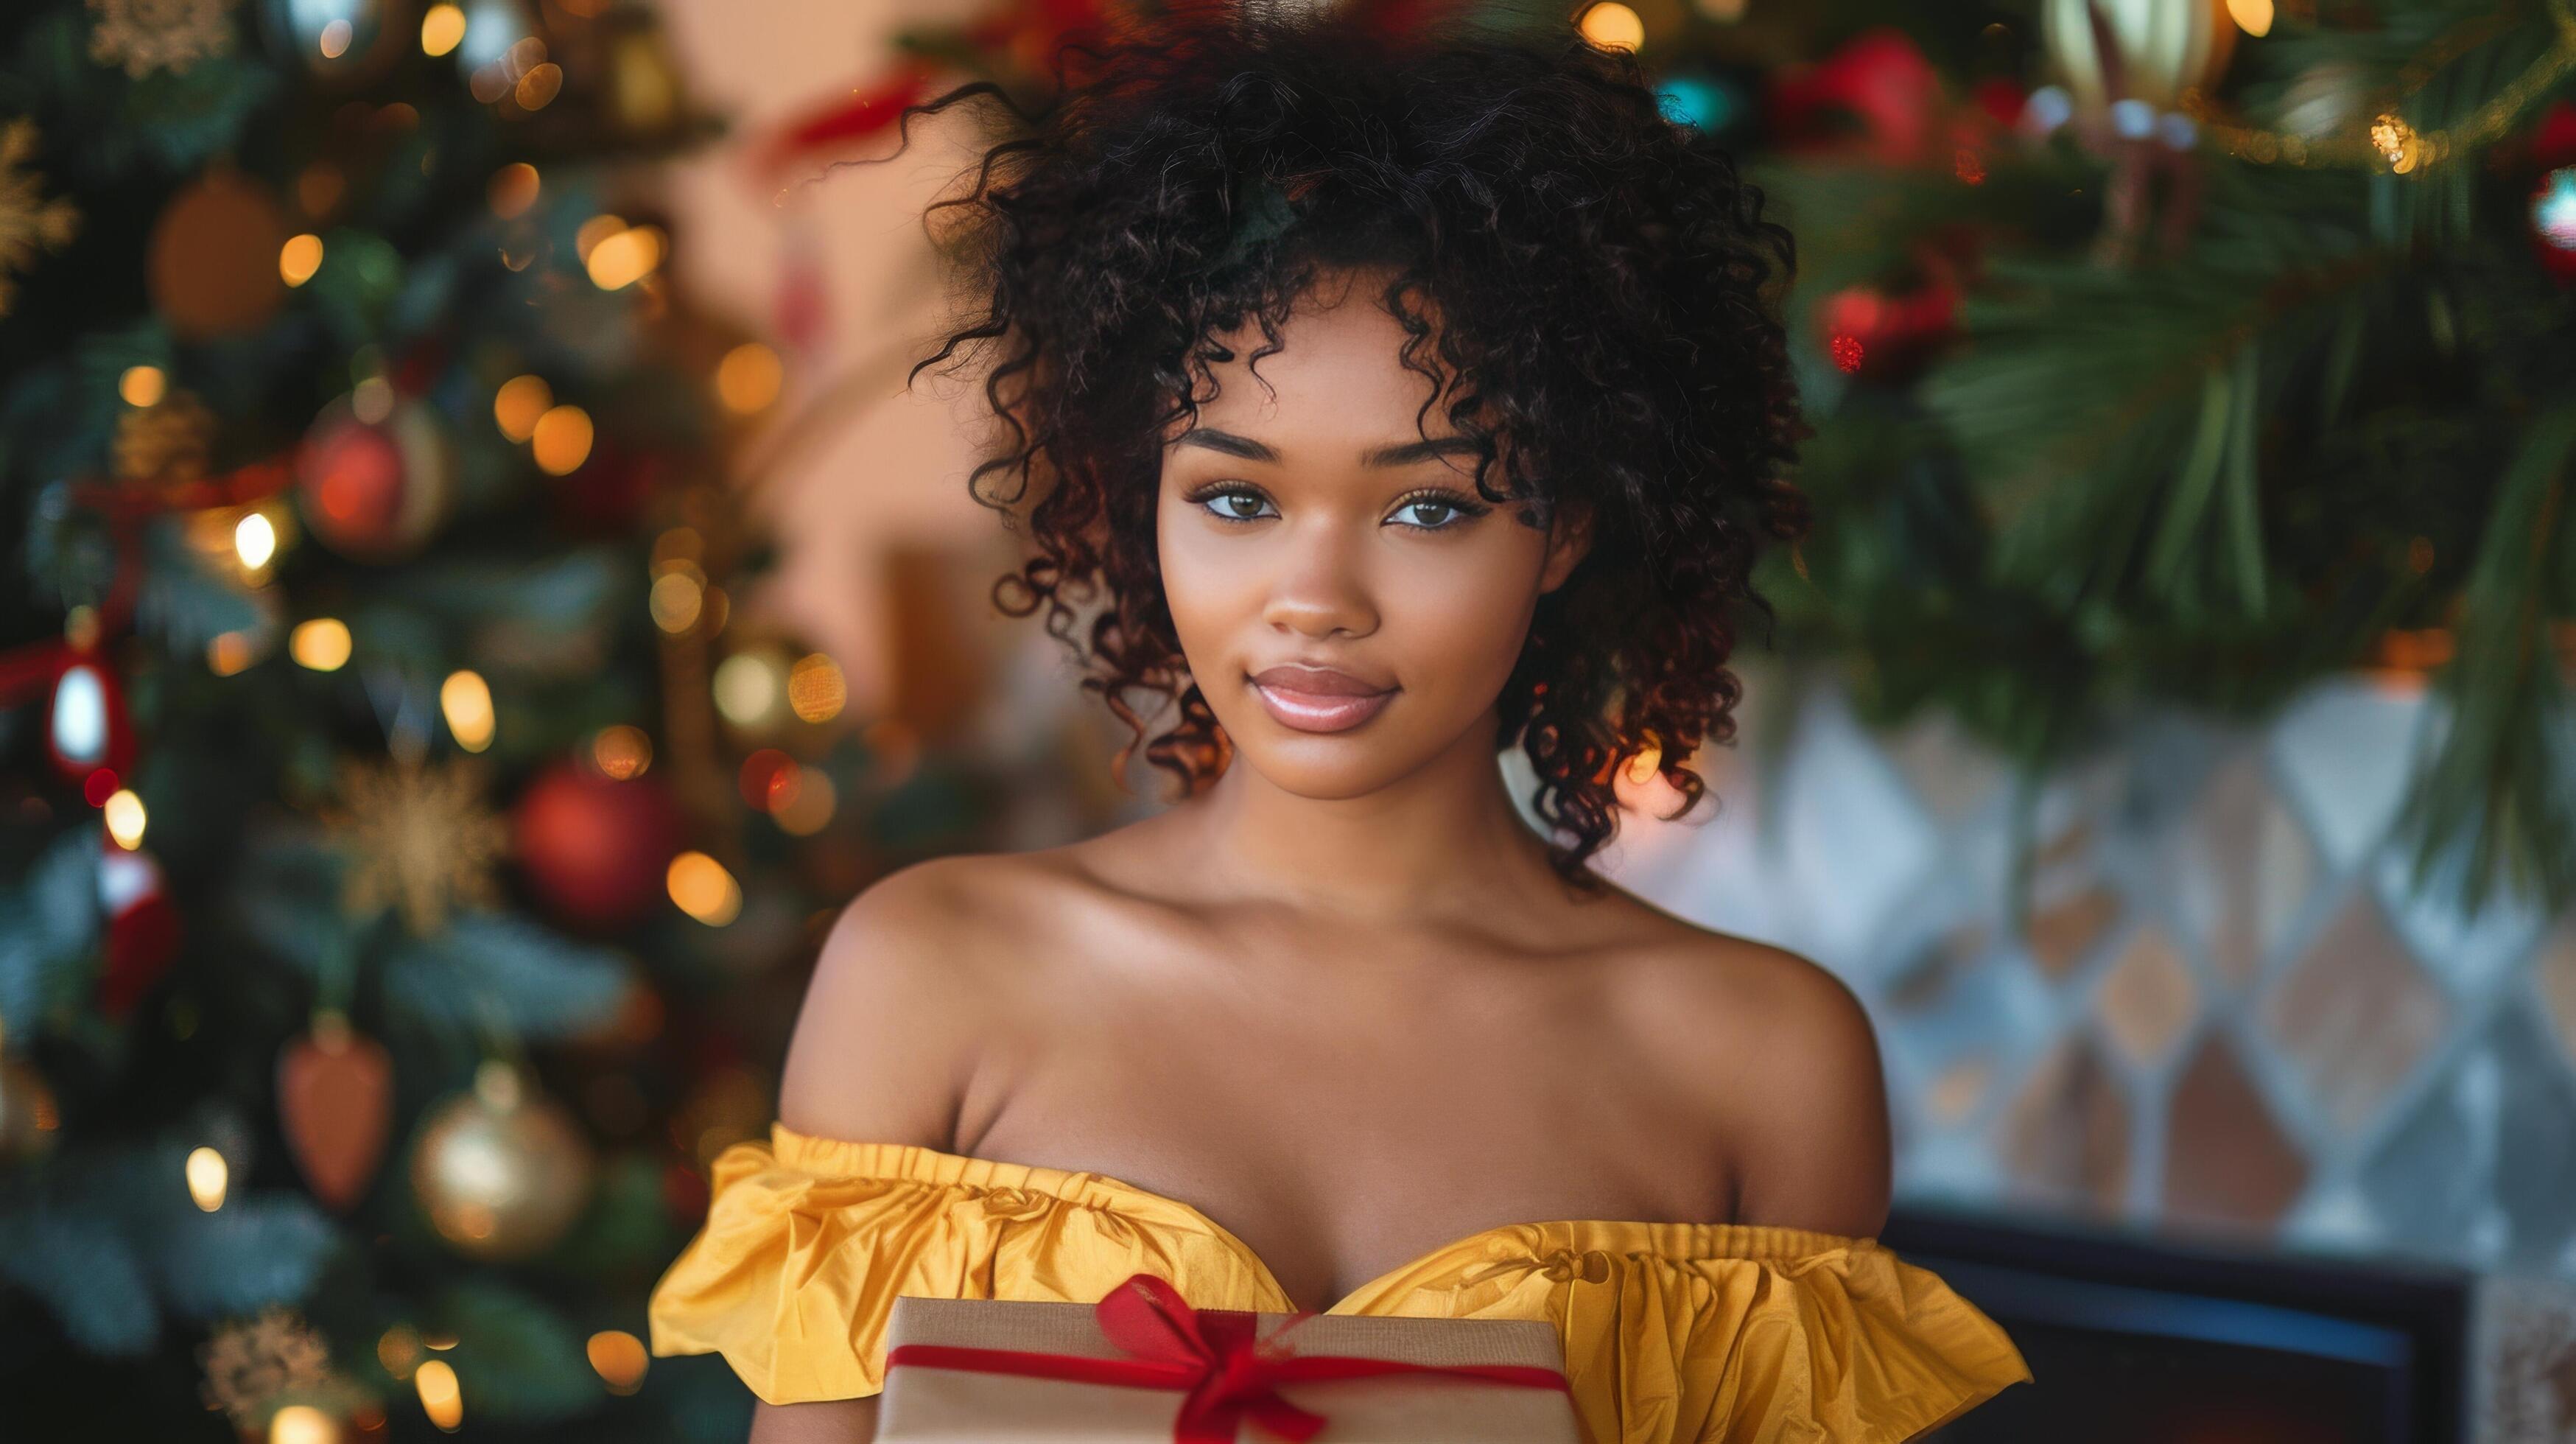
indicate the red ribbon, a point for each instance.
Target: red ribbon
{"x":1209,"y":1354}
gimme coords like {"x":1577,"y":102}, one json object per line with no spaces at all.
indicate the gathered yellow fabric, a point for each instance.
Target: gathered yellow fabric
{"x":1675,"y":1333}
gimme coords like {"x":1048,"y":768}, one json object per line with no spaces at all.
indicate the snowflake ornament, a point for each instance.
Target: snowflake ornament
{"x":29,"y":223}
{"x":149,"y":35}
{"x":420,"y":840}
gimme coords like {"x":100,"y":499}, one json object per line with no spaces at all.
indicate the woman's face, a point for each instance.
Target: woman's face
{"x":1309,"y":524}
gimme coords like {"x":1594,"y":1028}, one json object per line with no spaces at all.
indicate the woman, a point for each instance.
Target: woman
{"x":1398,"y":403}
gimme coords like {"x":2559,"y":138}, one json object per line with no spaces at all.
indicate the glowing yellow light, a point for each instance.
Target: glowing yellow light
{"x":254,"y":540}
{"x":302,"y":1424}
{"x":810,"y":809}
{"x":321,"y":644}
{"x":816,"y":690}
{"x":142,"y":386}
{"x":229,"y":653}
{"x":2254,"y":17}
{"x":442,"y":28}
{"x":749,"y":378}
{"x":624,"y":258}
{"x":593,"y":231}
{"x":440,"y":1399}
{"x":703,"y":889}
{"x":622,"y":752}
{"x":747,"y":687}
{"x":208,"y":1175}
{"x":562,"y":440}
{"x":519,"y":404}
{"x":620,"y":1359}
{"x":1613,"y":26}
{"x":677,"y":598}
{"x":299,"y":258}
{"x":514,"y":188}
{"x":123,"y":812}
{"x":467,"y":702}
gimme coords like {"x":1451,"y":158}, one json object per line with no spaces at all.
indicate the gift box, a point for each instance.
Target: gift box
{"x":1143,"y":1366}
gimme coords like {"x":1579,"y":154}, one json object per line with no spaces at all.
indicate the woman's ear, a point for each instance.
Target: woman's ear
{"x":1569,"y":537}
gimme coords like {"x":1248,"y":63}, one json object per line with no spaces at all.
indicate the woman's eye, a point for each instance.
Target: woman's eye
{"x":1432,"y":513}
{"x":1235,"y":505}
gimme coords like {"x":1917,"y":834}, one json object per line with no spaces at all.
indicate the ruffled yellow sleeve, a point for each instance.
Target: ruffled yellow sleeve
{"x":809,"y":1241}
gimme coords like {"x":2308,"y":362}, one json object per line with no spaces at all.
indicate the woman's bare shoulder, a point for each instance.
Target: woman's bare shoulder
{"x":1780,"y":1057}
{"x":914,"y":978}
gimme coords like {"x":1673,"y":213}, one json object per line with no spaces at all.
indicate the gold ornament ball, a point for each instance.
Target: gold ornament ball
{"x":500,"y":1172}
{"x":2166,"y":47}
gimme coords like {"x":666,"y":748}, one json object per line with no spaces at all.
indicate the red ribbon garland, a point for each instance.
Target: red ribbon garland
{"x":1209,"y":1354}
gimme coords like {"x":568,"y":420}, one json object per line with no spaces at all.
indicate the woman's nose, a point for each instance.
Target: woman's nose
{"x":1321,"y":587}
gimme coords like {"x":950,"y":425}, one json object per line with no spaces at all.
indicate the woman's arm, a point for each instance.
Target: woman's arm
{"x":835,"y":1421}
{"x":884,"y":1043}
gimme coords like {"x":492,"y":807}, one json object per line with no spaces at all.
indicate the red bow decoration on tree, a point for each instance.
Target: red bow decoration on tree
{"x":1211,"y":1355}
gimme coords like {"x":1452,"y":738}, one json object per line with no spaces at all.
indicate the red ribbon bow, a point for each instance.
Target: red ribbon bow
{"x":1211,"y":1355}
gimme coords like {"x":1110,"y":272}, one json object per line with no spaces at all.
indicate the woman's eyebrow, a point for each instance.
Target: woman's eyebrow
{"x":1405,"y":454}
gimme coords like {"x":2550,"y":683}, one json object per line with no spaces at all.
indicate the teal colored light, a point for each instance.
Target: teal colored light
{"x":2553,"y":213}
{"x":1696,"y":101}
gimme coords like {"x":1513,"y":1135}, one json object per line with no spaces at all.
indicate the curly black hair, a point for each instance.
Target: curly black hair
{"x":1597,"y":278}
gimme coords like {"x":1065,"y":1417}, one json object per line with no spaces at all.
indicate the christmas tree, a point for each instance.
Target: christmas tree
{"x":401,"y":826}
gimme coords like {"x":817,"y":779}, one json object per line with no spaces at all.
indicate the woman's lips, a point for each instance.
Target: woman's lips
{"x":1318,"y":711}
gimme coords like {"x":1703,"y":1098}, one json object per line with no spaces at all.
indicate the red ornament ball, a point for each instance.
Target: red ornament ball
{"x":596,"y":848}
{"x":375,"y":491}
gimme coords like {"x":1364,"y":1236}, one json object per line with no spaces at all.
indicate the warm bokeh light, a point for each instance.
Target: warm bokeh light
{"x":143,"y":385}
{"x":442,"y":26}
{"x":703,"y":889}
{"x":466,"y":701}
{"x":514,"y":188}
{"x":230,"y":653}
{"x":749,"y":378}
{"x":321,"y":644}
{"x":208,"y":1176}
{"x":372,"y":400}
{"x":816,"y":690}
{"x":539,"y":86}
{"x":562,"y":440}
{"x":677,"y":597}
{"x":302,"y":1424}
{"x":123,"y":813}
{"x":440,"y":1399}
{"x":399,"y":1350}
{"x":255,"y":540}
{"x":2254,"y":17}
{"x":593,"y":231}
{"x":1613,"y":26}
{"x":748,"y":688}
{"x":299,"y":258}
{"x":520,"y":403}
{"x":622,"y":752}
{"x":625,"y":257}
{"x":335,"y":37}
{"x":811,"y":809}
{"x":620,"y":1359}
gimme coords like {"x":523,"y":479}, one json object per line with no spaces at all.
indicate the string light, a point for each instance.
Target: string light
{"x":701,"y":887}
{"x":466,"y":701}
{"x":513,"y":189}
{"x":321,"y":644}
{"x":619,"y":1359}
{"x":123,"y":813}
{"x":1613,"y":26}
{"x":208,"y":1175}
{"x":562,"y":439}
{"x":442,"y":27}
{"x":519,"y":404}
{"x":624,"y":257}
{"x":816,"y":690}
{"x":142,"y":386}
{"x":255,"y":540}
{"x":299,"y":258}
{"x":440,"y":1398}
{"x":302,"y":1424}
{"x":749,"y":378}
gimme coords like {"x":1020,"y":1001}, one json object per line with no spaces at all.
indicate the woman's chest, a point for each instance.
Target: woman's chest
{"x":1350,"y":1123}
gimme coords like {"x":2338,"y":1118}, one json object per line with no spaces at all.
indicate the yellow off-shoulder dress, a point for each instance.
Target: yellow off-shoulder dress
{"x":1675,"y":1333}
